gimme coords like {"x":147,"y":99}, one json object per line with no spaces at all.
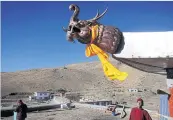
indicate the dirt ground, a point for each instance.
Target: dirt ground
{"x":78,"y":113}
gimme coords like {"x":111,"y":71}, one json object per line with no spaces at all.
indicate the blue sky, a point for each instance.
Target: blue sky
{"x":32,"y":35}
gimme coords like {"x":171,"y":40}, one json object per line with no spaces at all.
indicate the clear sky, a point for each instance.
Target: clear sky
{"x":32,"y":35}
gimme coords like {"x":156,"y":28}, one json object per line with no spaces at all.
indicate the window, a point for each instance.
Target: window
{"x":40,"y":94}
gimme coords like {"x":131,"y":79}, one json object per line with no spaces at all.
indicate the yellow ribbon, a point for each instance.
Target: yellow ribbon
{"x":110,"y":71}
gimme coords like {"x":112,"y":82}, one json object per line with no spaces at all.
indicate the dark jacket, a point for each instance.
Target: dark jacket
{"x":22,"y":111}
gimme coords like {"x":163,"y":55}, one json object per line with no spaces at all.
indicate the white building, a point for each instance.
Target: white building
{"x":42,"y":95}
{"x":133,"y":90}
{"x":31,"y":98}
{"x":169,"y":83}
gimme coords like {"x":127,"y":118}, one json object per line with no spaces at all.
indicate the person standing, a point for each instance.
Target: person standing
{"x":21,"y":110}
{"x":138,"y":113}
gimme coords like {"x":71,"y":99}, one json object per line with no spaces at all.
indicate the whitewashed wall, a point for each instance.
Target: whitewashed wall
{"x":147,"y":44}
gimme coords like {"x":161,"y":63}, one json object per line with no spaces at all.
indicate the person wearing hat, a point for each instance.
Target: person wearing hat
{"x":21,"y":110}
{"x":138,"y":113}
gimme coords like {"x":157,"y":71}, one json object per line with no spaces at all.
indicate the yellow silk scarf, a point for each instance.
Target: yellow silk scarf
{"x":110,"y":71}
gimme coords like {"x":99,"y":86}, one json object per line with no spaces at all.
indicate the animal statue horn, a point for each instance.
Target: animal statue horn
{"x":108,"y":38}
{"x":65,"y":30}
{"x":76,"y":10}
{"x":97,"y":17}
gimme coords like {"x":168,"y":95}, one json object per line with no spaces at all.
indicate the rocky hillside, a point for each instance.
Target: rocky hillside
{"x":87,"y":78}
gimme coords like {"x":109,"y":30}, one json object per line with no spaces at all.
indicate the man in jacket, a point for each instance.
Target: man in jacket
{"x":21,"y":110}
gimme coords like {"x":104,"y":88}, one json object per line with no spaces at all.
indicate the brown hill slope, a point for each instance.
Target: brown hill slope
{"x":80,"y":77}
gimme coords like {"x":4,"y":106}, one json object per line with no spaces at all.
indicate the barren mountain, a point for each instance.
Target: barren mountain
{"x":87,"y":78}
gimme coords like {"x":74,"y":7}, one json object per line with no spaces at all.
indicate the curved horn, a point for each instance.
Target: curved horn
{"x":98,"y":16}
{"x":65,"y":30}
{"x":76,"y":10}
